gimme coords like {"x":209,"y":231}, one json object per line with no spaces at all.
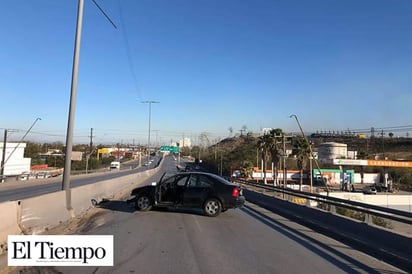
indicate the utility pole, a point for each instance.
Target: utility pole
{"x":285,"y":171}
{"x":148,"y":139}
{"x":3,"y":157}
{"x":91,"y":139}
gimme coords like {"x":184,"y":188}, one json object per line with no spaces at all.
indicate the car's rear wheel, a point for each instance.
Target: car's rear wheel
{"x":143,"y":203}
{"x":212,"y":207}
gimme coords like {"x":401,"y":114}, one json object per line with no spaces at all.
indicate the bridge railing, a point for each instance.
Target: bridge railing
{"x":368,"y":213}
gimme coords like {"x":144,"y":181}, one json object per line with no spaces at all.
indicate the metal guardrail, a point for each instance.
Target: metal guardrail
{"x":333,"y":202}
{"x":381,"y":232}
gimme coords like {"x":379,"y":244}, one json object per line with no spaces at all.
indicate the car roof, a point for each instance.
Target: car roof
{"x":215,"y":176}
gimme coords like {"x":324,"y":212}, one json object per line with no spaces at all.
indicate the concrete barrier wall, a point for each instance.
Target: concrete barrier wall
{"x":110,"y":189}
{"x":37,"y":214}
{"x":9,"y":222}
{"x":42,"y":212}
{"x":395,"y":201}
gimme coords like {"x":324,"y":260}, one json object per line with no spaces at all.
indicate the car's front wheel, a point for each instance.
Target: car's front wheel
{"x":212,"y":207}
{"x":143,"y":203}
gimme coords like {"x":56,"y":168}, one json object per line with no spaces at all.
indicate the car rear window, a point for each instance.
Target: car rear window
{"x":222,"y":180}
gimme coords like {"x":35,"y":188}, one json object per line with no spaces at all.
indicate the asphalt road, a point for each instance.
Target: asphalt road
{"x":17,"y":190}
{"x":246,"y":240}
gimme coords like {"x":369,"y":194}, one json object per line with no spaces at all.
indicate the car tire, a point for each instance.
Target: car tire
{"x":212,"y":207}
{"x":143,"y":203}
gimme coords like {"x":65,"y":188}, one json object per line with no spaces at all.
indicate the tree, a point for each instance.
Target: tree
{"x":264,"y":143}
{"x":32,"y":150}
{"x":230,"y":131}
{"x":195,"y":152}
{"x":302,"y":152}
{"x":246,"y":168}
{"x":362,"y":155}
{"x":276,"y":151}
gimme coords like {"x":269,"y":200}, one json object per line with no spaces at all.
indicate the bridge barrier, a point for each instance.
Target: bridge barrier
{"x":392,"y":246}
{"x":9,"y":222}
{"x":82,"y":196}
{"x":37,"y":214}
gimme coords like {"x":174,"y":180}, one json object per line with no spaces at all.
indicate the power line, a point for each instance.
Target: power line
{"x":129,"y":54}
{"x":105,"y":14}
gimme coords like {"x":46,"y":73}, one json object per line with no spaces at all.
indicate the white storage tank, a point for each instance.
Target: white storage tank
{"x":332,"y":150}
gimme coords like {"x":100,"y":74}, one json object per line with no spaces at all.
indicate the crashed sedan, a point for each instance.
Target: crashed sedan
{"x":209,"y":192}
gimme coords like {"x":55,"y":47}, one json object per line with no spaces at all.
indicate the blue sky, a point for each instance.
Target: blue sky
{"x":212,"y":64}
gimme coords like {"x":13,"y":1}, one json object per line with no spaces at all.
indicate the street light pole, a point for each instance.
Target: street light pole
{"x":72,"y":106}
{"x":311,"y":155}
{"x":148,"y":139}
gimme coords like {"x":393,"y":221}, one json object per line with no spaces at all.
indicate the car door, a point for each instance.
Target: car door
{"x":197,"y":190}
{"x":171,"y":189}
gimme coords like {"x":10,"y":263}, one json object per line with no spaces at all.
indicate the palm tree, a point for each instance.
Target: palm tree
{"x":264,"y":144}
{"x":246,"y":168}
{"x":362,"y":155}
{"x":302,"y":151}
{"x":275,"y":150}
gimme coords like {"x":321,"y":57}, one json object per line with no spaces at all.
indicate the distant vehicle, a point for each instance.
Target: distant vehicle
{"x":115,"y":165}
{"x":42,"y":175}
{"x":209,"y":192}
{"x":238,"y":174}
{"x":369,"y":190}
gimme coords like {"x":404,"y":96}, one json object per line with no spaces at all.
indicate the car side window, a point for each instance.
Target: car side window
{"x":193,"y":181}
{"x":181,"y":181}
{"x":205,"y":181}
{"x":168,"y":181}
{"x":199,"y":181}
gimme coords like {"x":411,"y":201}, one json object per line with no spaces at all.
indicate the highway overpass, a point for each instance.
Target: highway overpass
{"x":253,"y":239}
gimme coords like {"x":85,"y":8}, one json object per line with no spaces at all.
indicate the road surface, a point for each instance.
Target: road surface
{"x":246,"y":240}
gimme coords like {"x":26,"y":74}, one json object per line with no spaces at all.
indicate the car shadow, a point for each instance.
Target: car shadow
{"x":181,"y":210}
{"x":346,"y":262}
{"x":116,"y":205}
{"x":129,"y":207}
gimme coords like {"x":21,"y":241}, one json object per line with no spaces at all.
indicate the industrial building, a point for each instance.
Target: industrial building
{"x":13,"y":159}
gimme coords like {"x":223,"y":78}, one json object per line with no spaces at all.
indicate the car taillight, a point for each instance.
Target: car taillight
{"x":235,"y":192}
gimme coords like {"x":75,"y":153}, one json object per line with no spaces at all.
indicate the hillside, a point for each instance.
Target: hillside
{"x":241,"y":151}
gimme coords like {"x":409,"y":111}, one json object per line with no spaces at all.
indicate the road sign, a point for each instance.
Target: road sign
{"x":171,"y":149}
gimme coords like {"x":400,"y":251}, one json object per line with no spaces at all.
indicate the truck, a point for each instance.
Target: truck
{"x":115,"y":165}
